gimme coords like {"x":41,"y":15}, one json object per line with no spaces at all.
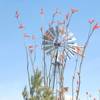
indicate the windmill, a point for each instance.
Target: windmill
{"x":60,"y":44}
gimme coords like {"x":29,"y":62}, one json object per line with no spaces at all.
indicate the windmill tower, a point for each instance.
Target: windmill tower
{"x":59,"y":44}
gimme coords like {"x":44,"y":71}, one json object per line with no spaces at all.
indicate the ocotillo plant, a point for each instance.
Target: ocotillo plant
{"x":59,"y":45}
{"x":36,"y":90}
{"x":93,"y":27}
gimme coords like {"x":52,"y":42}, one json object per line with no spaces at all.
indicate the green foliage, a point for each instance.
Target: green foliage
{"x":36,"y":82}
{"x":37,"y":91}
{"x":47,"y":94}
{"x":25,"y":94}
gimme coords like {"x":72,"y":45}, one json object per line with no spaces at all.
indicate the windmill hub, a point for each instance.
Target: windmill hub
{"x":57,"y":44}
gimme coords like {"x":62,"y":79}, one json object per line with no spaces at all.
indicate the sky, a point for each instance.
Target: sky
{"x":13,"y":76}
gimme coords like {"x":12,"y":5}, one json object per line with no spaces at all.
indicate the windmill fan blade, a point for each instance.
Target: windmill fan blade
{"x":57,"y":31}
{"x":47,"y":47}
{"x":49,"y":34}
{"x":72,"y":39}
{"x":67,"y":55}
{"x":52,"y":31}
{"x":47,"y":43}
{"x":50,"y":51}
{"x":74,"y":50}
{"x":46,"y":38}
{"x":69,"y":37}
{"x":70,"y":52}
{"x":70,"y":43}
{"x":78,"y":50}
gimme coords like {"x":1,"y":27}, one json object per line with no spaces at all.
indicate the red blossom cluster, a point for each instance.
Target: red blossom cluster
{"x":91,"y":21}
{"x":17,"y":14}
{"x":26,"y":35}
{"x":95,"y":26}
{"x":42,"y":12}
{"x":32,"y":48}
{"x":21,"y":26}
{"x":74,"y":10}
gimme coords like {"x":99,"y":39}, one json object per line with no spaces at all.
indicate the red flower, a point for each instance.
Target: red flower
{"x":17,"y":14}
{"x":73,"y":10}
{"x":96,"y":26}
{"x":42,"y":11}
{"x":26,"y":35}
{"x":30,"y":46}
{"x":91,"y":21}
{"x":21,"y":26}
